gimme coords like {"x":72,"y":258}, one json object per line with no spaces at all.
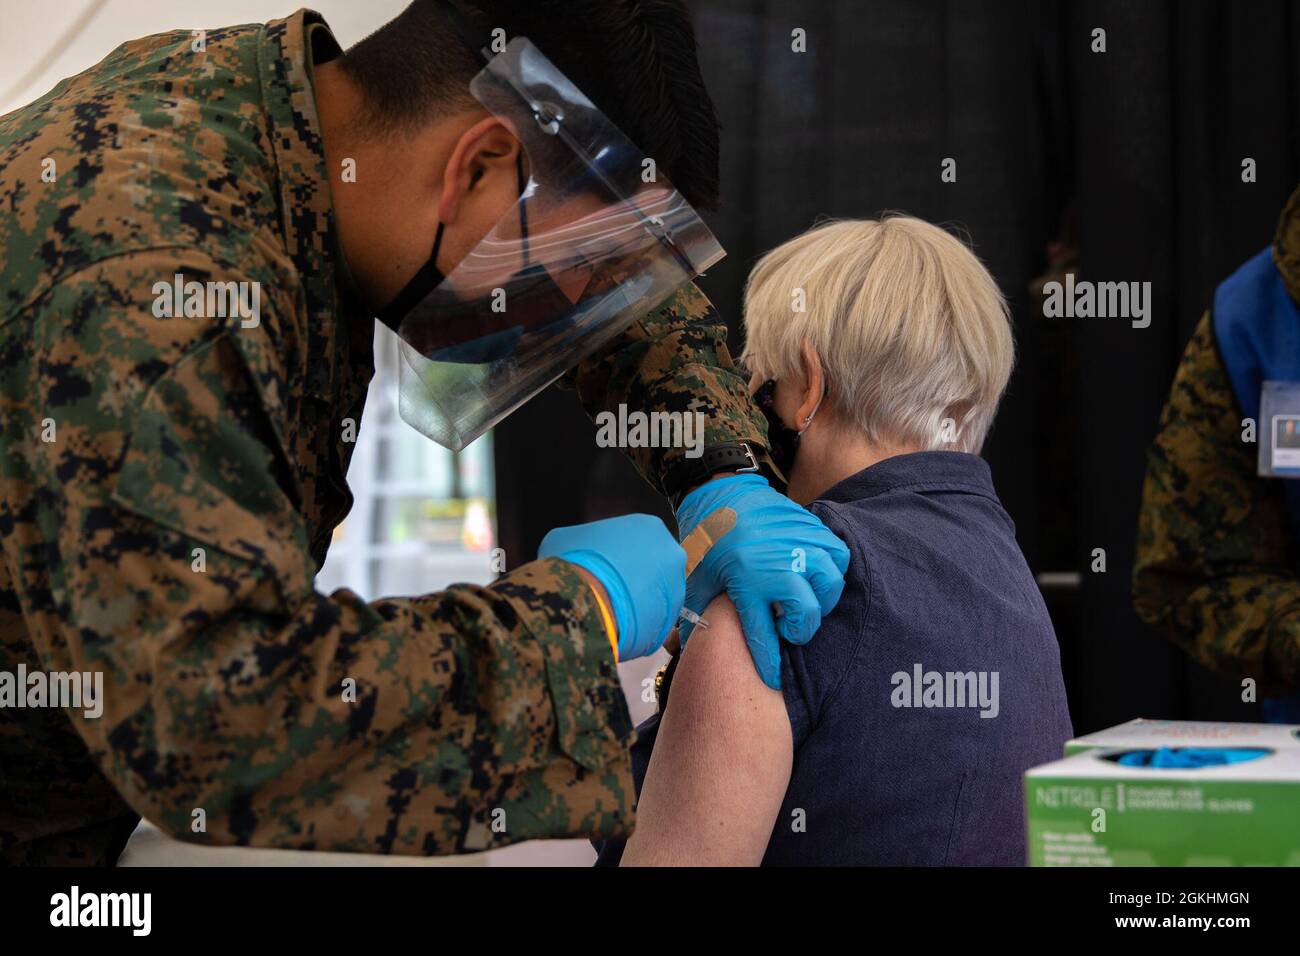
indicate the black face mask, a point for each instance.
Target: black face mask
{"x":782,"y":440}
{"x":465,"y":332}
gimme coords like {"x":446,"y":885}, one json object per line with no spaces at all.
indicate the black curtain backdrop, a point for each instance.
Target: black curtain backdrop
{"x":1128,"y":162}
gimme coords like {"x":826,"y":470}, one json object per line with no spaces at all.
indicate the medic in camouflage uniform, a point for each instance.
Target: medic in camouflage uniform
{"x":169,"y":486}
{"x":1216,"y":566}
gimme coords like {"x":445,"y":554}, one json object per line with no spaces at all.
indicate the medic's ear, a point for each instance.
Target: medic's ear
{"x":485,"y":161}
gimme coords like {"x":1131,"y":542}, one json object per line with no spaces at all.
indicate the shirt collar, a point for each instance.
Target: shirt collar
{"x":311,"y":238}
{"x":918,"y":471}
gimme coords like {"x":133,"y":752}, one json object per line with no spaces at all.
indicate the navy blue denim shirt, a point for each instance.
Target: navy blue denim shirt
{"x":928,"y":692}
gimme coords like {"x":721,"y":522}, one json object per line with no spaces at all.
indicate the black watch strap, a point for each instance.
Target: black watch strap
{"x":685,"y":473}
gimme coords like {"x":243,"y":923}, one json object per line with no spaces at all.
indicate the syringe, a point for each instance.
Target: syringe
{"x":690,"y":616}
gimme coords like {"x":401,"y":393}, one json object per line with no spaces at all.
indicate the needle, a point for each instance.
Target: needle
{"x":690,"y":616}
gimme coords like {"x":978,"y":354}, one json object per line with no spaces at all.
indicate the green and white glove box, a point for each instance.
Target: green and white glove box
{"x":1142,"y":733}
{"x":1089,"y":810}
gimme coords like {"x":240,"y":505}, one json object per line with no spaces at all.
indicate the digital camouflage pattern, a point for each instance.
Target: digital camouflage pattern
{"x":169,"y":486}
{"x":1216,"y":568}
{"x":675,"y":360}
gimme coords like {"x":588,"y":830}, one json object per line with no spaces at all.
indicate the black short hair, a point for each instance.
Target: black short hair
{"x":635,"y":59}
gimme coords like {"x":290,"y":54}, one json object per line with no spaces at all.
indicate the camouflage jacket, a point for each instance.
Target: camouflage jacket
{"x":1216,"y":568}
{"x":169,"y":485}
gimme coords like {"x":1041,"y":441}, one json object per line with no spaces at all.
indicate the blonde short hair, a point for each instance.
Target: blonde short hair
{"x":910,"y":327}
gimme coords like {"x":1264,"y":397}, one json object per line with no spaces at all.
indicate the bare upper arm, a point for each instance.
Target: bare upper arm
{"x":721,"y":760}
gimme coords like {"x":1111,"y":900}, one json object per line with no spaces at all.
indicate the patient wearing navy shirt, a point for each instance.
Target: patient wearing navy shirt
{"x":902,"y":730}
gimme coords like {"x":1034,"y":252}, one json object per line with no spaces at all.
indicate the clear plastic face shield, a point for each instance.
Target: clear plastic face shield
{"x":597,"y":239}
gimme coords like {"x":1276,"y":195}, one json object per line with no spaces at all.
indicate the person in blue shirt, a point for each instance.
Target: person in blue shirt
{"x":1217,"y":568}
{"x":879,"y":351}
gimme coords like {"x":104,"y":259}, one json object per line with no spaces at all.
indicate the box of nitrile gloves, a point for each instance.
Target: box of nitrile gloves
{"x":1140,"y":807}
{"x":1187,"y":733}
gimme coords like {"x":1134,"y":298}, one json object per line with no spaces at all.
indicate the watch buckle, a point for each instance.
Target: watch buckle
{"x":753,"y":461}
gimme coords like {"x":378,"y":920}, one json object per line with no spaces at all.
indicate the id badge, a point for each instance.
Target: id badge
{"x":1279,"y":441}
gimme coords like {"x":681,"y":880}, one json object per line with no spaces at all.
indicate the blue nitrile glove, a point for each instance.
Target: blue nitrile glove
{"x":777,"y":554}
{"x":642,"y":568}
{"x":1187,"y":758}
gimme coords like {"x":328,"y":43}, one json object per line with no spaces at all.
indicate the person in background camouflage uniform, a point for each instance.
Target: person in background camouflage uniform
{"x":1216,"y":566}
{"x":169,"y":486}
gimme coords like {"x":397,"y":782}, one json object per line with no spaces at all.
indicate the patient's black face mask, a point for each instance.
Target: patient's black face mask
{"x":782,"y":440}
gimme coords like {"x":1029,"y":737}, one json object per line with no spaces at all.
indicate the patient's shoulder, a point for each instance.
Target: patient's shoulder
{"x":716,"y":680}
{"x":721,"y":760}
